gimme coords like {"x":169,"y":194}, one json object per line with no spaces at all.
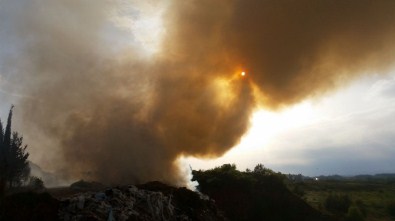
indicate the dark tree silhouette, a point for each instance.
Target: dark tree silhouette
{"x":261,"y":169}
{"x":253,"y":195}
{"x":14,"y":166}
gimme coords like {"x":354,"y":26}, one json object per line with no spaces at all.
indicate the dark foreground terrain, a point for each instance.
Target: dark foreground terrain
{"x":151,"y":201}
{"x":229,"y":195}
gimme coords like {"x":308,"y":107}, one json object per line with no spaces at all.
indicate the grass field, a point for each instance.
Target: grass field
{"x":373,"y":199}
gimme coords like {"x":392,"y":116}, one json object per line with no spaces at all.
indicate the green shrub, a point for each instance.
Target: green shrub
{"x":337,"y":204}
{"x":391,"y":207}
{"x":362,"y":207}
{"x":298,"y":190}
{"x":354,"y":214}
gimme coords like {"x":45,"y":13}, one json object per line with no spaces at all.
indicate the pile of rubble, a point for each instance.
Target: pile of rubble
{"x":132,"y":203}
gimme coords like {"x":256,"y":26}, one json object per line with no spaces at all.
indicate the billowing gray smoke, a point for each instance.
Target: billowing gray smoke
{"x":111,"y":115}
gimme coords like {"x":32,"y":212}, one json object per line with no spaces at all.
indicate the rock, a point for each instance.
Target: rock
{"x":81,"y":201}
{"x":100,"y":196}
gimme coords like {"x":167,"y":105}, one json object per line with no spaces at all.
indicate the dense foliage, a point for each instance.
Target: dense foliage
{"x":14,"y":166}
{"x":259,"y":194}
{"x":371,"y":199}
{"x":338,"y":203}
{"x":391,"y":208}
{"x":36,"y":183}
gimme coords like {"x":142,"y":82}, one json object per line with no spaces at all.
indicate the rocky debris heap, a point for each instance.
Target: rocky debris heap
{"x":153,"y":201}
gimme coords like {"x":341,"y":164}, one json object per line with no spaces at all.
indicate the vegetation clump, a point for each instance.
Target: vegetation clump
{"x":371,"y":196}
{"x":14,"y":166}
{"x":36,"y":183}
{"x":337,"y":203}
{"x":391,"y":208}
{"x":354,"y":214}
{"x":258,"y":194}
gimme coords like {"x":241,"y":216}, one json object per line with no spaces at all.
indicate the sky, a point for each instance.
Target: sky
{"x":348,"y":132}
{"x":153,"y":87}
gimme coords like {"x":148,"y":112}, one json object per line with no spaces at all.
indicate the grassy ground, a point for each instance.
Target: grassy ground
{"x":372,"y":198}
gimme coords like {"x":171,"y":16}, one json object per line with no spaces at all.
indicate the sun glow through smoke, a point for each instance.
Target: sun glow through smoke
{"x":266,"y":127}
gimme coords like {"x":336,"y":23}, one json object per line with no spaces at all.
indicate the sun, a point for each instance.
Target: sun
{"x":243,"y":74}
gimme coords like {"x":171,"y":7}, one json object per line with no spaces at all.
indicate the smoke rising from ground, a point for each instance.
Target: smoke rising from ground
{"x":114,"y":116}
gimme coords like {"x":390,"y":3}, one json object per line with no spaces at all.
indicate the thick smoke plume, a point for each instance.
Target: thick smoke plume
{"x":100,"y":112}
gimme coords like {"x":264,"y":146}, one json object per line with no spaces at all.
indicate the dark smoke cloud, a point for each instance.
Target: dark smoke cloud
{"x":115,"y":117}
{"x":292,"y":49}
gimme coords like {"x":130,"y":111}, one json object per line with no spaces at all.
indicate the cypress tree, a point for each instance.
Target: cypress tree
{"x":1,"y":132}
{"x":7,"y":133}
{"x":14,"y":166}
{"x":2,"y":162}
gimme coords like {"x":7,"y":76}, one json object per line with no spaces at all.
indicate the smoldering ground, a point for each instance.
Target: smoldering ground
{"x":115,"y":116}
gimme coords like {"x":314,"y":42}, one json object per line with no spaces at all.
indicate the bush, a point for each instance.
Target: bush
{"x":354,"y":214}
{"x":338,"y":204}
{"x":298,"y":190}
{"x":252,"y":195}
{"x":36,"y":183}
{"x":391,"y":207}
{"x":362,"y":207}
